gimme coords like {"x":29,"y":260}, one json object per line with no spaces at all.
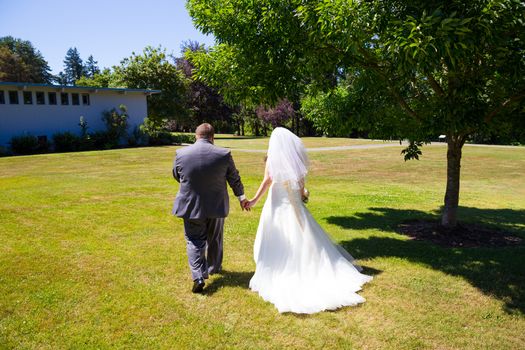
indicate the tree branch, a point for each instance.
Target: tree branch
{"x":503,"y":105}
{"x":393,"y":90}
{"x":402,"y":102}
{"x":435,"y":86}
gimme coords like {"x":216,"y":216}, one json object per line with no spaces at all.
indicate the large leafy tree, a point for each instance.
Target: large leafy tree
{"x":152,"y":70}
{"x":21,"y":62}
{"x":149,"y":70}
{"x":407,"y":69}
{"x":105,"y":78}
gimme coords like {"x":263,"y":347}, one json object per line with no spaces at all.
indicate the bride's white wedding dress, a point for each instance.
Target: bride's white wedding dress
{"x":298,"y":267}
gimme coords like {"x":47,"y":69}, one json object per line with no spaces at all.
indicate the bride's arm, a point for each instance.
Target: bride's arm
{"x":265,"y":184}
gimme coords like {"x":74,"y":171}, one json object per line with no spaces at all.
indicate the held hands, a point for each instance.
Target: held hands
{"x":250,"y":204}
{"x":244,"y":205}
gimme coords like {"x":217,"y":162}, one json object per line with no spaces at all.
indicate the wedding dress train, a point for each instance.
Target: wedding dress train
{"x":298,"y":267}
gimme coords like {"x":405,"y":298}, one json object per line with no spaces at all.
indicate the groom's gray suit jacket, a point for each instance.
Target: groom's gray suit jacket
{"x":203,"y":171}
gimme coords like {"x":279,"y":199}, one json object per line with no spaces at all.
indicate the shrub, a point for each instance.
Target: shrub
{"x":183,"y":138}
{"x":66,"y":142}
{"x":4,"y":151}
{"x":151,"y":128}
{"x":27,"y":144}
{"x":102,"y":140}
{"x":138,"y":137}
{"x":83,"y":127}
{"x":157,"y":134}
{"x":116,"y":123}
{"x":161,"y":138}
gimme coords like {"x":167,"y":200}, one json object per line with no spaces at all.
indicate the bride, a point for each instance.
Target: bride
{"x":298,"y":268}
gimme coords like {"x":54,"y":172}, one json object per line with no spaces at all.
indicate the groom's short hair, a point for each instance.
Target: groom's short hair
{"x":204,"y":131}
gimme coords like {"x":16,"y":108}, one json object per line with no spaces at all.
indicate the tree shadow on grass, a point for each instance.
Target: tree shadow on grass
{"x":387,"y":219}
{"x":228,"y":279}
{"x":499,"y":272}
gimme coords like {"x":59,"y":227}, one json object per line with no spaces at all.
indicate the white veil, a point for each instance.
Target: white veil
{"x":287,"y":160}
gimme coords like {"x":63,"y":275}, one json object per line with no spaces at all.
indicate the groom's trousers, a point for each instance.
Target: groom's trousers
{"x":204,"y":246}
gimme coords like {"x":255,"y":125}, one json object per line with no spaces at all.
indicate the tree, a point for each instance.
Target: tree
{"x":204,"y":103}
{"x":152,"y":70}
{"x":61,"y":79}
{"x":73,"y":67}
{"x":91,"y":68}
{"x":433,"y":67}
{"x":106,"y":78}
{"x":278,"y":115}
{"x":21,"y":62}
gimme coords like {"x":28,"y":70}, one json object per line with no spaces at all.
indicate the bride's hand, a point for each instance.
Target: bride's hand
{"x":305,"y":195}
{"x":250,"y":204}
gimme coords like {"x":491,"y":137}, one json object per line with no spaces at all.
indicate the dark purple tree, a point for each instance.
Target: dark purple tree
{"x":278,"y":115}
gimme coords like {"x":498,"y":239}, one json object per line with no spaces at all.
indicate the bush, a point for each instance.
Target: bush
{"x":66,"y":142}
{"x":138,"y":137}
{"x":102,"y":140}
{"x":183,"y":138}
{"x":161,"y":138}
{"x":167,"y":138}
{"x":4,"y":151}
{"x":116,"y":123}
{"x":28,"y":144}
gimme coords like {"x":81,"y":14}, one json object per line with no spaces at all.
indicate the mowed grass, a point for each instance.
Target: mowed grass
{"x":90,"y":256}
{"x":261,"y":143}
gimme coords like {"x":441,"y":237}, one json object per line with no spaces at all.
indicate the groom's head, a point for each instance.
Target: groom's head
{"x":205,"y":131}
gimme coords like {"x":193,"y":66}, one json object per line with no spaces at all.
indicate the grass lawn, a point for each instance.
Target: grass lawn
{"x":90,"y":256}
{"x":261,"y":143}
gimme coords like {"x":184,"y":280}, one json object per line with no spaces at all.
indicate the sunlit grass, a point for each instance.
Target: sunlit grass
{"x":261,"y":143}
{"x":91,"y":257}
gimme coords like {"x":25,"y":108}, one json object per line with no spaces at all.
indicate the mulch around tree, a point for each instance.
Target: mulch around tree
{"x":464,"y":235}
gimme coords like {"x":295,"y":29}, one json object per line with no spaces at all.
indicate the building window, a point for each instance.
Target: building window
{"x":28,"y":98}
{"x":2,"y":97}
{"x":64,"y":98}
{"x":13,"y":97}
{"x":52,"y":97}
{"x":75,"y":99}
{"x":85,"y":99}
{"x":40,"y":98}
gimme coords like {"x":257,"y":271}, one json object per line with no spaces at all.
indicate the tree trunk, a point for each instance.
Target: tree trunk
{"x":449,"y":216}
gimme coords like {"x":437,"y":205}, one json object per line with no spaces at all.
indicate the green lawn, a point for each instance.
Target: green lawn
{"x":261,"y":143}
{"x":90,"y":256}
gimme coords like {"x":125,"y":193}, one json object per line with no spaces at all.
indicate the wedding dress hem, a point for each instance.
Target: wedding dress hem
{"x":298,"y":267}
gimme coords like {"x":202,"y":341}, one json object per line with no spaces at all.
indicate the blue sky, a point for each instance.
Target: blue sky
{"x":110,"y":30}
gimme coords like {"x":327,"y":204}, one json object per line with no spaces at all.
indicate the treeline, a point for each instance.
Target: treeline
{"x":184,"y":103}
{"x":213,"y":85}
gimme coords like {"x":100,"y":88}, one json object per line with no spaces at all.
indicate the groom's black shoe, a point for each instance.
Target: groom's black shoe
{"x":198,"y":285}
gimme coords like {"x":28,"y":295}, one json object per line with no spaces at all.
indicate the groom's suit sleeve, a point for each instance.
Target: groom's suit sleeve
{"x":175,"y":170}
{"x":233,"y":177}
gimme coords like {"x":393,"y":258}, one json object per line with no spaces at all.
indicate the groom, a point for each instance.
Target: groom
{"x":202,"y":201}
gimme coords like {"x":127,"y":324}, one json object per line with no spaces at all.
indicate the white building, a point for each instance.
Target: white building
{"x":42,"y":109}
